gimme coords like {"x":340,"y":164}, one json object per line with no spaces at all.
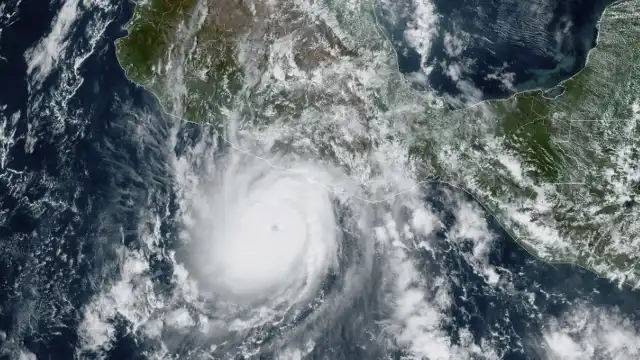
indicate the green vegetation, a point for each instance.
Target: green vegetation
{"x":151,"y":33}
{"x":528,"y":130}
{"x":180,"y":51}
{"x":559,"y":174}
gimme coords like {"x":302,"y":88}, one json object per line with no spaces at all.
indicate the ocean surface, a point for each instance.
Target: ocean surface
{"x":83,"y":150}
{"x":492,"y":49}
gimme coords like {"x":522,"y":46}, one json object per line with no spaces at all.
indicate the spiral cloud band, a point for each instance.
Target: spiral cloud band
{"x":264,"y":233}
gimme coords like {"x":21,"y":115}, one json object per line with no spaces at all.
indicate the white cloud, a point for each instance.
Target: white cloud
{"x":422,"y":27}
{"x":180,"y":319}
{"x":42,"y":58}
{"x":587,"y":332}
{"x":471,"y":226}
{"x":506,"y":78}
{"x":27,"y":355}
{"x":123,"y":298}
{"x":454,"y":44}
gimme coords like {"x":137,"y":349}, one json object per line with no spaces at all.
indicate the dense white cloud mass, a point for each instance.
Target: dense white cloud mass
{"x":262,"y":232}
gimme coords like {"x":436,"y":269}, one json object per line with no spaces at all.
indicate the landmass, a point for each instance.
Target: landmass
{"x":560,"y":173}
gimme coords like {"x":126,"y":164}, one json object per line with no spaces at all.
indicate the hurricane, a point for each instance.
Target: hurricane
{"x":262,"y":225}
{"x":342,"y":180}
{"x":269,"y":241}
{"x":261,"y":234}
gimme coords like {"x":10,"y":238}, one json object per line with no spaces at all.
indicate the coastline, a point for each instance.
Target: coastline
{"x":535,"y":92}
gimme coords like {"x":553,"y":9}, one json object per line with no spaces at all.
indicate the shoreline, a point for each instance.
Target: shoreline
{"x":436,"y":178}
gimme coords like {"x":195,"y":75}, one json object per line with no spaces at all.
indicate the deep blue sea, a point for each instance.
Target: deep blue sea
{"x":76,"y":170}
{"x":85,"y":148}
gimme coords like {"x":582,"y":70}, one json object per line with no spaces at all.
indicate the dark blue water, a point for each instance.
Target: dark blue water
{"x":539,"y":42}
{"x":69,"y":203}
{"x":65,"y":203}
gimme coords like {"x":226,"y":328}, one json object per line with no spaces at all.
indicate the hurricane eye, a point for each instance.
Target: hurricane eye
{"x":271,"y":241}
